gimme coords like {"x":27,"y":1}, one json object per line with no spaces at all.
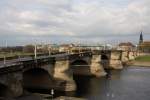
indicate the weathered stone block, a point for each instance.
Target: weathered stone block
{"x":125,"y":56}
{"x":62,"y":72}
{"x":96,"y":67}
{"x":116,"y":64}
{"x":131,"y":55}
{"x":115,"y":55}
{"x":13,"y":81}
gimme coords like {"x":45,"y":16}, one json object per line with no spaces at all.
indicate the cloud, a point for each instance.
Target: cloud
{"x":76,"y":19}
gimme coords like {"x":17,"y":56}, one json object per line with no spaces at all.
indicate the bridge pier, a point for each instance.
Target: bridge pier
{"x":115,"y":60}
{"x":13,"y":82}
{"x":131,"y":55}
{"x":135,"y":54}
{"x":62,"y":72}
{"x":96,"y":67}
{"x":125,"y":56}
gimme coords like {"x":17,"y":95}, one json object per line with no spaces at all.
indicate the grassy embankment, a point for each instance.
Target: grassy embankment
{"x":14,"y":54}
{"x":143,"y":58}
{"x":142,"y":61}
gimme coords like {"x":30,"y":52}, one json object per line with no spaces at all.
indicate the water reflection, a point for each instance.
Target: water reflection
{"x":131,"y":83}
{"x":128,"y":84}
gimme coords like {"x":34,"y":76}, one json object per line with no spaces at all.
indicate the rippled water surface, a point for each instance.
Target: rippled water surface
{"x":132,"y":83}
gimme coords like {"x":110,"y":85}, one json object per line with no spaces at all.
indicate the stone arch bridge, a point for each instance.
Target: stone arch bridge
{"x":57,"y":71}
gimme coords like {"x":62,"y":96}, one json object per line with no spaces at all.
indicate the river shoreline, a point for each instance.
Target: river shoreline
{"x":138,"y":63}
{"x":39,"y":97}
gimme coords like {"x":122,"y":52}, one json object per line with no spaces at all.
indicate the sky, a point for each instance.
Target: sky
{"x":73,"y":21}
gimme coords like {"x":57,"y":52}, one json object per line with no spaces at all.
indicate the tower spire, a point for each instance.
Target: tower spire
{"x":141,"y":38}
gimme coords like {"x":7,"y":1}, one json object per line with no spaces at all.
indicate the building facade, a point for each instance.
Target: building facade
{"x":144,"y":46}
{"x":126,"y":46}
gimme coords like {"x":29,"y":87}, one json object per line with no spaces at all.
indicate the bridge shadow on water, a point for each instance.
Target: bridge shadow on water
{"x":4,"y":91}
{"x":37,"y":80}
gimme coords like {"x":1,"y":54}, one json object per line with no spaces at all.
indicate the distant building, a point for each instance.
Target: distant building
{"x":126,"y":46}
{"x":53,"y":48}
{"x":66,"y":47}
{"x":144,"y":46}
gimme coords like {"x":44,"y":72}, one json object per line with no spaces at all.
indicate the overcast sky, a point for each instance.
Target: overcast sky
{"x":86,"y":21}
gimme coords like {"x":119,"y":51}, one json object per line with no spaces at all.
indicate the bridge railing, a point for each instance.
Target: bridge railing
{"x":11,"y":68}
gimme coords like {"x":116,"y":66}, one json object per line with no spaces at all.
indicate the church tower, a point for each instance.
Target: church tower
{"x":141,"y":38}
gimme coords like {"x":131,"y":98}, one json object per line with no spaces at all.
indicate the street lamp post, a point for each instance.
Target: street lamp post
{"x":35,"y":51}
{"x":4,"y":60}
{"x":49,"y":51}
{"x":19,"y":57}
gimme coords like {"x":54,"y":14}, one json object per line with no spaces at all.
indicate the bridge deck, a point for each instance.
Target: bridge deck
{"x":13,"y":62}
{"x":43,"y":59}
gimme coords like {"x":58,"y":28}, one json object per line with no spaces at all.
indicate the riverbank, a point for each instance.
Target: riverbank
{"x":68,"y":98}
{"x":138,"y":63}
{"x":42,"y":97}
{"x":144,"y":58}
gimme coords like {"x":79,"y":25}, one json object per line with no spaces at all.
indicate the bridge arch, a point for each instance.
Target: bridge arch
{"x":104,"y":57}
{"x":79,"y":62}
{"x":80,"y":67}
{"x":37,"y":78}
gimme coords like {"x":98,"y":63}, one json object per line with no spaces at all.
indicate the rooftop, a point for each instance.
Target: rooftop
{"x":126,"y":44}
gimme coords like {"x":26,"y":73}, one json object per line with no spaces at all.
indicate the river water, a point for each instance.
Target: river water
{"x":131,"y":83}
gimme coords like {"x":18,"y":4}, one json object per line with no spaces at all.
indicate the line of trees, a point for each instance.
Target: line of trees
{"x":24,"y":49}
{"x":11,"y":49}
